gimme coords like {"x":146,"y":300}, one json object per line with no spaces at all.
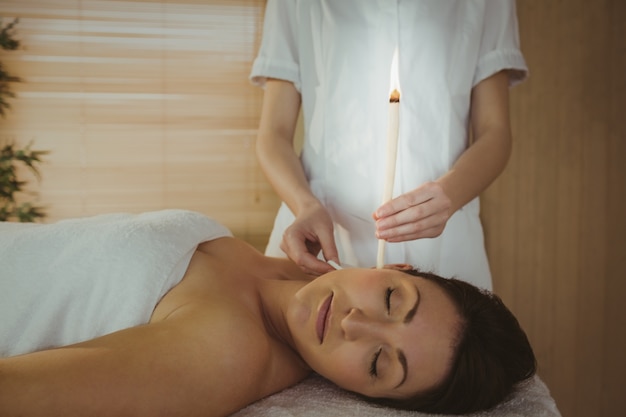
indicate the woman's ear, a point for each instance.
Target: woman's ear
{"x":399,"y":267}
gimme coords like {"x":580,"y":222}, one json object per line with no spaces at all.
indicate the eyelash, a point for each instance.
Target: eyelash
{"x":373,"y":371}
{"x":388,"y":298}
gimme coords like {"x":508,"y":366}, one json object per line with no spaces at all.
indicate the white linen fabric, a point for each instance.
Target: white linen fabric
{"x":77,"y":279}
{"x":338,"y":54}
{"x":316,"y":397}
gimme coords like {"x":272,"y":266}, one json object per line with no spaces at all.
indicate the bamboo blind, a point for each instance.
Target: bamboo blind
{"x":143,"y":105}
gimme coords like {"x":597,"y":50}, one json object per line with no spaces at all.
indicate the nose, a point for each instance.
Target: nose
{"x":357,"y":325}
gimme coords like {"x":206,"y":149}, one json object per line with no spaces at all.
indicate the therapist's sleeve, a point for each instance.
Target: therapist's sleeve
{"x":278,"y":54}
{"x":500,"y":44}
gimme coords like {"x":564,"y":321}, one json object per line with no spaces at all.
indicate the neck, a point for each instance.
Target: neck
{"x":275,"y":296}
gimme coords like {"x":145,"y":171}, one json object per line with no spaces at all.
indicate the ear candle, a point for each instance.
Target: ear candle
{"x":392,"y":148}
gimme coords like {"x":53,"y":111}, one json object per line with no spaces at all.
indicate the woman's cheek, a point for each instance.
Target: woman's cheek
{"x":348,"y":369}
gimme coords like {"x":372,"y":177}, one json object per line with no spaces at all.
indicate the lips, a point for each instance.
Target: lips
{"x":322,"y":318}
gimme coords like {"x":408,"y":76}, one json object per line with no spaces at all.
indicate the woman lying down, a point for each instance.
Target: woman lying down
{"x":166,"y":314}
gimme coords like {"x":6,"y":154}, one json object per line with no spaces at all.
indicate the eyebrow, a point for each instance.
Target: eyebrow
{"x":402,"y":360}
{"x":407,"y":319}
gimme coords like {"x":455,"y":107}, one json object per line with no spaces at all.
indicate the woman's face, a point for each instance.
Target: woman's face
{"x":378,"y":332}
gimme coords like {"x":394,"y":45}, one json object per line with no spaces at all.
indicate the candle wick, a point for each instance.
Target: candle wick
{"x":394,"y":97}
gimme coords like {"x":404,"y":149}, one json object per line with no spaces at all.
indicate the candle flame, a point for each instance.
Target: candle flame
{"x":394,"y":79}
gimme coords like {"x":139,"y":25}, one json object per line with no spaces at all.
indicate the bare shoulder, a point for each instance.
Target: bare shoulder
{"x":249,"y":261}
{"x":226,"y":243}
{"x":235,"y":361}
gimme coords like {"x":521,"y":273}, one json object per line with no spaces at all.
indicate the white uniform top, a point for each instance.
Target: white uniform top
{"x":338,"y":54}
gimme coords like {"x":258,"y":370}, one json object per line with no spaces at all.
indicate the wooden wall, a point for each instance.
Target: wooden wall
{"x":146,"y":105}
{"x":555,"y":221}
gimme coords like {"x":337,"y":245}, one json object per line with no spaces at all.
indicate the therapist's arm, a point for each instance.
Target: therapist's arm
{"x":489,"y":153}
{"x":424,"y":212}
{"x":312,"y":230}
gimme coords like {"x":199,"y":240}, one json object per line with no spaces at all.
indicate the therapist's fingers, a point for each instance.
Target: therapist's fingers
{"x":302,"y":245}
{"x":328,"y":246}
{"x":428,"y":227}
{"x":304,"y":254}
{"x":421,"y":213}
{"x":420,"y":195}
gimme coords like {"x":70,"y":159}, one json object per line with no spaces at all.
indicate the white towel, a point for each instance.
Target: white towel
{"x":316,"y":397}
{"x":77,"y":279}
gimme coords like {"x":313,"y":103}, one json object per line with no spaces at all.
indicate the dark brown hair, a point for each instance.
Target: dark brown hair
{"x":492,"y":355}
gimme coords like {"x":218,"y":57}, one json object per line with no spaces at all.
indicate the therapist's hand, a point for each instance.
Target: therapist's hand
{"x":311,"y":231}
{"x":421,"y":213}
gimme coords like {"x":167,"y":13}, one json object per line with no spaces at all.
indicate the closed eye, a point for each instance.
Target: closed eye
{"x":373,"y":365}
{"x":388,"y":298}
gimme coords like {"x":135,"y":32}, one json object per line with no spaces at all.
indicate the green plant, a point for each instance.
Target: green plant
{"x":7,"y":43}
{"x":11,"y":186}
{"x":12,"y":157}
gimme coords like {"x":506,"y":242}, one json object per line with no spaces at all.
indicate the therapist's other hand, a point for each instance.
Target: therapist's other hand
{"x":310,"y":233}
{"x":421,"y":213}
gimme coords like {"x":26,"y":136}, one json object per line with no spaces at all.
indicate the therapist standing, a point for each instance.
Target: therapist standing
{"x":457,"y":60}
